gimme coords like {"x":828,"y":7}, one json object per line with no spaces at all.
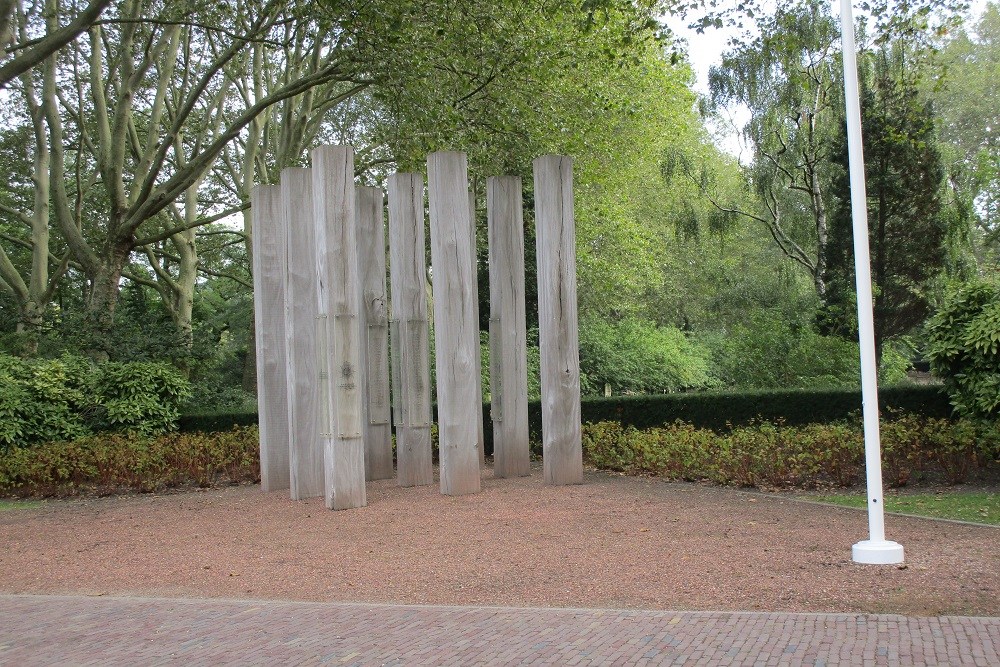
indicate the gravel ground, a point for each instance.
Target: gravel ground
{"x":615,"y":542}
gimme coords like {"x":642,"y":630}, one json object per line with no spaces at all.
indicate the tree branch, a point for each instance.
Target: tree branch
{"x":52,"y":42}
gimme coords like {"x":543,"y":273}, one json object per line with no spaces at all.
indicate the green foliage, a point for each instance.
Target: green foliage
{"x":904,"y":172}
{"x":775,"y":455}
{"x":964,"y":347}
{"x":141,"y":396}
{"x":69,"y":397}
{"x":635,"y":356}
{"x":768,"y":352}
{"x":44,"y":399}
{"x":117,"y":462}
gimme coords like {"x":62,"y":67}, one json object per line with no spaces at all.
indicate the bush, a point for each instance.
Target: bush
{"x":964,"y":348}
{"x":117,"y":462}
{"x":712,"y":410}
{"x":775,"y":455}
{"x":770,"y":351}
{"x":636,"y":356}
{"x":44,"y":400}
{"x":141,"y":396}
{"x":718,"y":410}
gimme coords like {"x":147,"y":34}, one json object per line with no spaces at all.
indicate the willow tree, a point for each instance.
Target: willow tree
{"x":788,"y":78}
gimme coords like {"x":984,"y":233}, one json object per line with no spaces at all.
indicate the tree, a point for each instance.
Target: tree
{"x":967,"y":98}
{"x":907,"y":229}
{"x":787,"y":77}
{"x":28,"y":53}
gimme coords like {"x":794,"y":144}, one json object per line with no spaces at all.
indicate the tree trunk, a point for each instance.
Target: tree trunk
{"x":105,"y":288}
{"x":29,"y":325}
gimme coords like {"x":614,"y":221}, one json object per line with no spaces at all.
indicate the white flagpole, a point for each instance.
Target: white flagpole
{"x":876,"y":549}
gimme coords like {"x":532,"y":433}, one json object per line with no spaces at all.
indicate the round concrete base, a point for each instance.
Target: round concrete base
{"x":877,"y":553}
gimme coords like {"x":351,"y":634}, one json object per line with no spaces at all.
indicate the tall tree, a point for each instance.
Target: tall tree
{"x":967,"y":101}
{"x":905,"y":175}
{"x":787,"y":77}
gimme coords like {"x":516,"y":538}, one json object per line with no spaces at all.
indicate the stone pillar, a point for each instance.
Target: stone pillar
{"x":374,"y":333}
{"x":339,"y":290}
{"x":301,"y":300}
{"x":480,"y":439}
{"x":410,"y":336}
{"x":508,"y":344}
{"x":558,"y":337}
{"x":270,"y":254}
{"x":456,"y":332}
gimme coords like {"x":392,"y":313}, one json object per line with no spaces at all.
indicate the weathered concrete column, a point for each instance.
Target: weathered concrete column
{"x":336,"y":268}
{"x":508,"y":341}
{"x":480,"y":435}
{"x":410,"y":335}
{"x":558,"y":336}
{"x":270,"y":254}
{"x":456,"y":332}
{"x":374,"y":333}
{"x":301,"y":300}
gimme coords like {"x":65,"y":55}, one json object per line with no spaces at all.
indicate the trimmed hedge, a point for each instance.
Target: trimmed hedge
{"x":216,"y":421}
{"x":712,"y":410}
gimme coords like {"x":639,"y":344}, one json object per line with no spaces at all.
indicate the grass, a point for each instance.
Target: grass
{"x":18,"y":504}
{"x":977,"y":506}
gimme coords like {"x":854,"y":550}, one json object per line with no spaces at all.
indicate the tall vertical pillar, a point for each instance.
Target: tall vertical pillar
{"x":480,"y":436}
{"x":456,"y":332}
{"x":508,"y":343}
{"x":374,"y":322}
{"x":558,"y":335}
{"x":270,"y":253}
{"x":339,"y":288}
{"x":410,"y":335}
{"x":301,"y":301}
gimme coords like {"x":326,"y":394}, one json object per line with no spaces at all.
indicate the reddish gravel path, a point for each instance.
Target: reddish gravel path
{"x":615,"y":542}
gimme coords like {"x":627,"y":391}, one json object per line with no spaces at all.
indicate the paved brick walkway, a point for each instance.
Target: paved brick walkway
{"x":51,"y":630}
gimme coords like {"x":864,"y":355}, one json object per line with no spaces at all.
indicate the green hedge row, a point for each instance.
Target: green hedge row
{"x":712,"y":410}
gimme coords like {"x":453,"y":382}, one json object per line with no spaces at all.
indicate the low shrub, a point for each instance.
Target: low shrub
{"x":64,"y":399}
{"x":777,"y":455}
{"x":121,"y":462}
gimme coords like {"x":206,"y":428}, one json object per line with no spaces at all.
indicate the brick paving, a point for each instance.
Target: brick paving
{"x":57,"y":630}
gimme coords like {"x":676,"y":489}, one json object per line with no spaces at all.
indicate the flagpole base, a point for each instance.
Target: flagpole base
{"x":883,"y":552}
